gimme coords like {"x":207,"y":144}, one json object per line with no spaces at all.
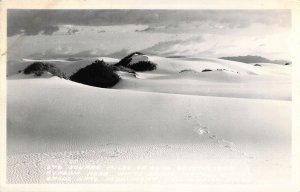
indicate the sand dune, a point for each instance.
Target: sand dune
{"x":66,"y":65}
{"x":227,"y":79}
{"x":229,"y":121}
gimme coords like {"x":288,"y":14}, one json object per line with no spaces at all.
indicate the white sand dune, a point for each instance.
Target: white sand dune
{"x":219,"y":126}
{"x":67,"y":66}
{"x":227,"y":79}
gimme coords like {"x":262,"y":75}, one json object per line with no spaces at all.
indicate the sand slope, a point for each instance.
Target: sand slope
{"x":227,"y":79}
{"x":228,"y":127}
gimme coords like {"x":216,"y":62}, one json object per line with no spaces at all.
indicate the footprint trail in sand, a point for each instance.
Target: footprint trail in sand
{"x":204,"y":131}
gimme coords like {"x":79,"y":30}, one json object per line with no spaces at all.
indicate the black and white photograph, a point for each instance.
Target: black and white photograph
{"x":149,"y":96}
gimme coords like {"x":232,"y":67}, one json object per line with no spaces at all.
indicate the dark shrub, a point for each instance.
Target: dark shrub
{"x":124,"y":69}
{"x":98,"y":74}
{"x":139,"y":66}
{"x":258,"y":65}
{"x":38,"y":68}
{"x":143,"y":66}
{"x":187,"y":70}
{"x":206,"y":70}
{"x":126,"y":60}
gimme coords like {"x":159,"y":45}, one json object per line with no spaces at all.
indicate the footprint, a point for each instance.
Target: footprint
{"x":201,"y":130}
{"x":204,"y":131}
{"x":213,"y":137}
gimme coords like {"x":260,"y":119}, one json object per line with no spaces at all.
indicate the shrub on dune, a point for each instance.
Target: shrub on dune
{"x":126,"y":60}
{"x":140,"y":65}
{"x":206,"y":70}
{"x":187,"y":70}
{"x":143,"y":66}
{"x":98,"y":74}
{"x":39,"y":68}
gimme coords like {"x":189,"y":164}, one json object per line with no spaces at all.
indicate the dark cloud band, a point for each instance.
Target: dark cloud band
{"x":33,"y":22}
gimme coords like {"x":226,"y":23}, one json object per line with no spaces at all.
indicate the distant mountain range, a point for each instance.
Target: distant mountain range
{"x":254,"y":59}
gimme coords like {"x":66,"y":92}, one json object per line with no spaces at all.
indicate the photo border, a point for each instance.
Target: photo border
{"x":293,"y":5}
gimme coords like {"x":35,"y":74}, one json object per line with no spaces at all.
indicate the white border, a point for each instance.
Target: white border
{"x":294,"y":5}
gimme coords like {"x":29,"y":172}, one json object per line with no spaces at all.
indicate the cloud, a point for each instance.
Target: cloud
{"x":174,"y":46}
{"x":49,"y":29}
{"x":32,"y":22}
{"x":27,"y":23}
{"x":72,"y":31}
{"x":217,"y":21}
{"x":145,"y":30}
{"x":148,"y":17}
{"x":66,"y":52}
{"x":118,"y":54}
{"x":273,"y":46}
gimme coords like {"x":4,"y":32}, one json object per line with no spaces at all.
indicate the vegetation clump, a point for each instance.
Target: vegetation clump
{"x":187,"y":70}
{"x":39,"y":68}
{"x":138,"y":66}
{"x":125,"y":62}
{"x":98,"y":74}
{"x":206,"y":70}
{"x":143,"y":66}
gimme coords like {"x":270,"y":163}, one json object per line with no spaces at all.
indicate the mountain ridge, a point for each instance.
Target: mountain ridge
{"x":254,"y":59}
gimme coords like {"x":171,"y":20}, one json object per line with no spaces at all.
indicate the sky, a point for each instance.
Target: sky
{"x":116,"y":33}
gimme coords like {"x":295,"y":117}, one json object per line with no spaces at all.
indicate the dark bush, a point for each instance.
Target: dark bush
{"x":126,"y":60}
{"x":38,"y":68}
{"x":258,"y":65}
{"x":187,"y":70}
{"x":98,"y":74}
{"x":139,"y":66}
{"x":143,"y":66}
{"x":122,"y":68}
{"x":206,"y":70}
